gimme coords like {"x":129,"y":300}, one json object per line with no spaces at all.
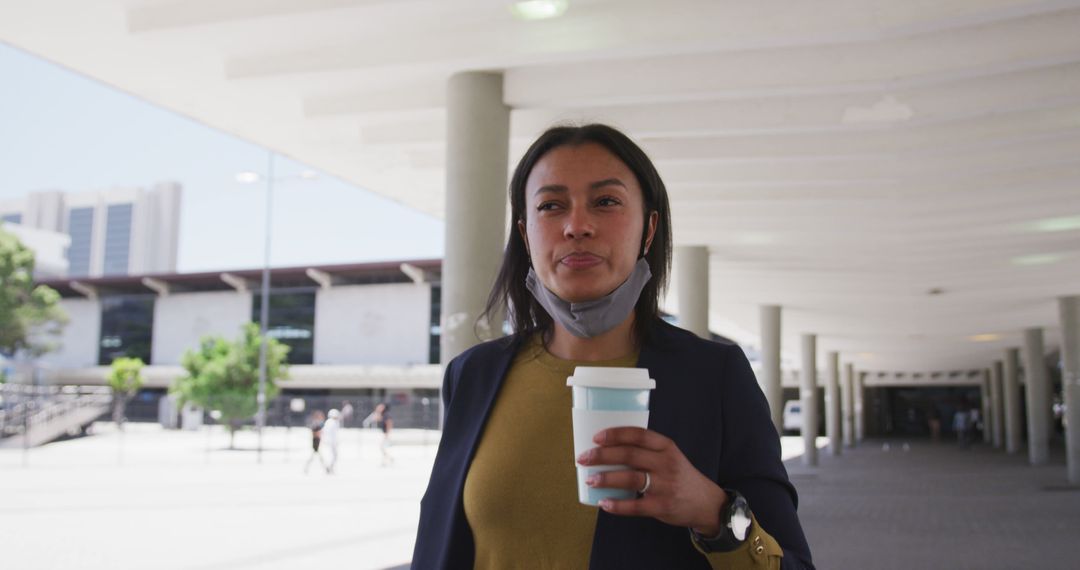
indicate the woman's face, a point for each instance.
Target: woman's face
{"x":583,"y":221}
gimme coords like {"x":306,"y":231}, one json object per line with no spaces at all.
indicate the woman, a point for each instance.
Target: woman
{"x":581,"y":277}
{"x":316,"y":423}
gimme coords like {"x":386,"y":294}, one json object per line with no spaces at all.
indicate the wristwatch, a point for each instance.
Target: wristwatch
{"x":734,"y":524}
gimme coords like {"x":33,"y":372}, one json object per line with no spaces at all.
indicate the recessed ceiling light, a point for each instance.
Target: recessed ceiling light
{"x":539,"y":9}
{"x":985,"y":337}
{"x":1062,"y":224}
{"x":1037,"y":259}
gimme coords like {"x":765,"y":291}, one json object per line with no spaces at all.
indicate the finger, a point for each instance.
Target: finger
{"x":642,"y":507}
{"x":628,"y":479}
{"x":635,"y":457}
{"x":634,"y":436}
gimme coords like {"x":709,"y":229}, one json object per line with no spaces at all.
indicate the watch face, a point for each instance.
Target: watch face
{"x":740,"y":523}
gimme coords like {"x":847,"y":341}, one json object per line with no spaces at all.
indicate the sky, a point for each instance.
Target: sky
{"x":62,"y":131}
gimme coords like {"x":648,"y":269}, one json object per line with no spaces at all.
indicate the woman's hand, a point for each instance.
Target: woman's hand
{"x":678,"y":493}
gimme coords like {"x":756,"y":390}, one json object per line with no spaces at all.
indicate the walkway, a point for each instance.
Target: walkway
{"x":180,"y":500}
{"x":938,"y":506}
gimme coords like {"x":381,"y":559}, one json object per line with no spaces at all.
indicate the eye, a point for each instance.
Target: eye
{"x":546,"y":206}
{"x":607,"y":201}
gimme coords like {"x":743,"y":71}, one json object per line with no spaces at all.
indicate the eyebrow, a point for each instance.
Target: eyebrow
{"x":559,"y":188}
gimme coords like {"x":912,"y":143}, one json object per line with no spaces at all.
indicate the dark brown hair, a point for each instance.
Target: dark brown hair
{"x":509,"y":293}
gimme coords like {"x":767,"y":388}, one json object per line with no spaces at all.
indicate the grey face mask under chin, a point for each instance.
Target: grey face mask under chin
{"x":593,"y":318}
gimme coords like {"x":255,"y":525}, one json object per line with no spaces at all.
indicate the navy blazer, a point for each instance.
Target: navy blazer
{"x":706,"y":400}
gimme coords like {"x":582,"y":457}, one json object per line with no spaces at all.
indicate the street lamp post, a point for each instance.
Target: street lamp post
{"x":264,"y":293}
{"x":264,"y":307}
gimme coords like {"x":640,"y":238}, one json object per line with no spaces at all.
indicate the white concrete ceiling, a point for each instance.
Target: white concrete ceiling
{"x":841,"y":158}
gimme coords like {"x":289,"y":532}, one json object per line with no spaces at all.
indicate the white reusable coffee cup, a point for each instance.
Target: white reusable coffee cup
{"x":606,"y":397}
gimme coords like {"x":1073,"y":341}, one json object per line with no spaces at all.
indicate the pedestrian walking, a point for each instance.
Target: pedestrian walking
{"x":316,"y":423}
{"x":380,"y":418}
{"x":346,"y":413}
{"x":330,"y":439}
{"x":960,"y":426}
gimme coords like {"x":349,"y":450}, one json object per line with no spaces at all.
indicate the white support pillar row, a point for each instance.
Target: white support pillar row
{"x":1037,"y":386}
{"x":997,"y":402}
{"x":984,"y":390}
{"x":848,"y":400}
{"x":808,"y":397}
{"x":477,"y":151}
{"x":770,"y":363}
{"x":860,"y":419}
{"x":1011,"y":395}
{"x":692,"y":283}
{"x":1069,"y":313}
{"x":832,"y":402}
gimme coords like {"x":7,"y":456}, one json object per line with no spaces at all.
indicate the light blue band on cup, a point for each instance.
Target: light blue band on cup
{"x":611,"y":399}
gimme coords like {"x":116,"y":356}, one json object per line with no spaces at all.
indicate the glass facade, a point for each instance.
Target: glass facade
{"x":117,"y":239}
{"x":80,"y":228}
{"x":12,"y":218}
{"x":127,"y":324}
{"x":292,"y":321}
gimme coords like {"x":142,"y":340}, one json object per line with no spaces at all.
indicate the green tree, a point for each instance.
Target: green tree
{"x":30,"y":317}
{"x":125,"y":379}
{"x":223,"y":375}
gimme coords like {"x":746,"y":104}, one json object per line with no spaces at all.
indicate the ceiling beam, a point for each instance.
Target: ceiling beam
{"x":195,"y":13}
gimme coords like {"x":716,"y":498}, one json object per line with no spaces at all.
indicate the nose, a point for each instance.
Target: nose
{"x":579,"y":223}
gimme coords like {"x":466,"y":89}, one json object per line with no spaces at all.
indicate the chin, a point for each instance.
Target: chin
{"x":584,"y":286}
{"x":582,"y":294}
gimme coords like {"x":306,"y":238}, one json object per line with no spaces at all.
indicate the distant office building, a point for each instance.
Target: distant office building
{"x":363,"y":332}
{"x":123,"y":231}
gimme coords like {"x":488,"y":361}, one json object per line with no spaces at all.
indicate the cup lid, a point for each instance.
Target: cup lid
{"x":611,"y":377}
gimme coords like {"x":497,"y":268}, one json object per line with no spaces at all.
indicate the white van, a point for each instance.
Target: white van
{"x":793,"y":416}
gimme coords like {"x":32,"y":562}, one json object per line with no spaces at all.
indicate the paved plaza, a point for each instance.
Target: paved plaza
{"x":181,"y":500}
{"x":938,"y":506}
{"x":162,"y":499}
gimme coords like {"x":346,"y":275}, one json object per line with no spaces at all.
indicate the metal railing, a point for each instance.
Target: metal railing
{"x":411,"y":413}
{"x":28,"y":409}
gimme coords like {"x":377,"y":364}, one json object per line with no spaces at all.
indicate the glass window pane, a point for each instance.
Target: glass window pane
{"x":127,"y":324}
{"x":292,"y":322}
{"x":80,"y":228}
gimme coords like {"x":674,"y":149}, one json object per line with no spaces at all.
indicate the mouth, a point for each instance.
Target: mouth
{"x":580,"y":260}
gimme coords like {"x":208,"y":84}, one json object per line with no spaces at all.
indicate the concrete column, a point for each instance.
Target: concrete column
{"x":692,"y":283}
{"x":860,"y":417}
{"x":770,"y":363}
{"x":984,"y":390}
{"x":832,"y":401}
{"x":808,"y":397}
{"x":1069,"y":312}
{"x":477,"y":149}
{"x":1038,"y":428}
{"x":1011,"y":391}
{"x":997,"y":402}
{"x":848,"y":399}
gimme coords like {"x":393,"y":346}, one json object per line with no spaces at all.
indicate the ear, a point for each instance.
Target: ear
{"x":654,"y":218}
{"x":524,"y":236}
